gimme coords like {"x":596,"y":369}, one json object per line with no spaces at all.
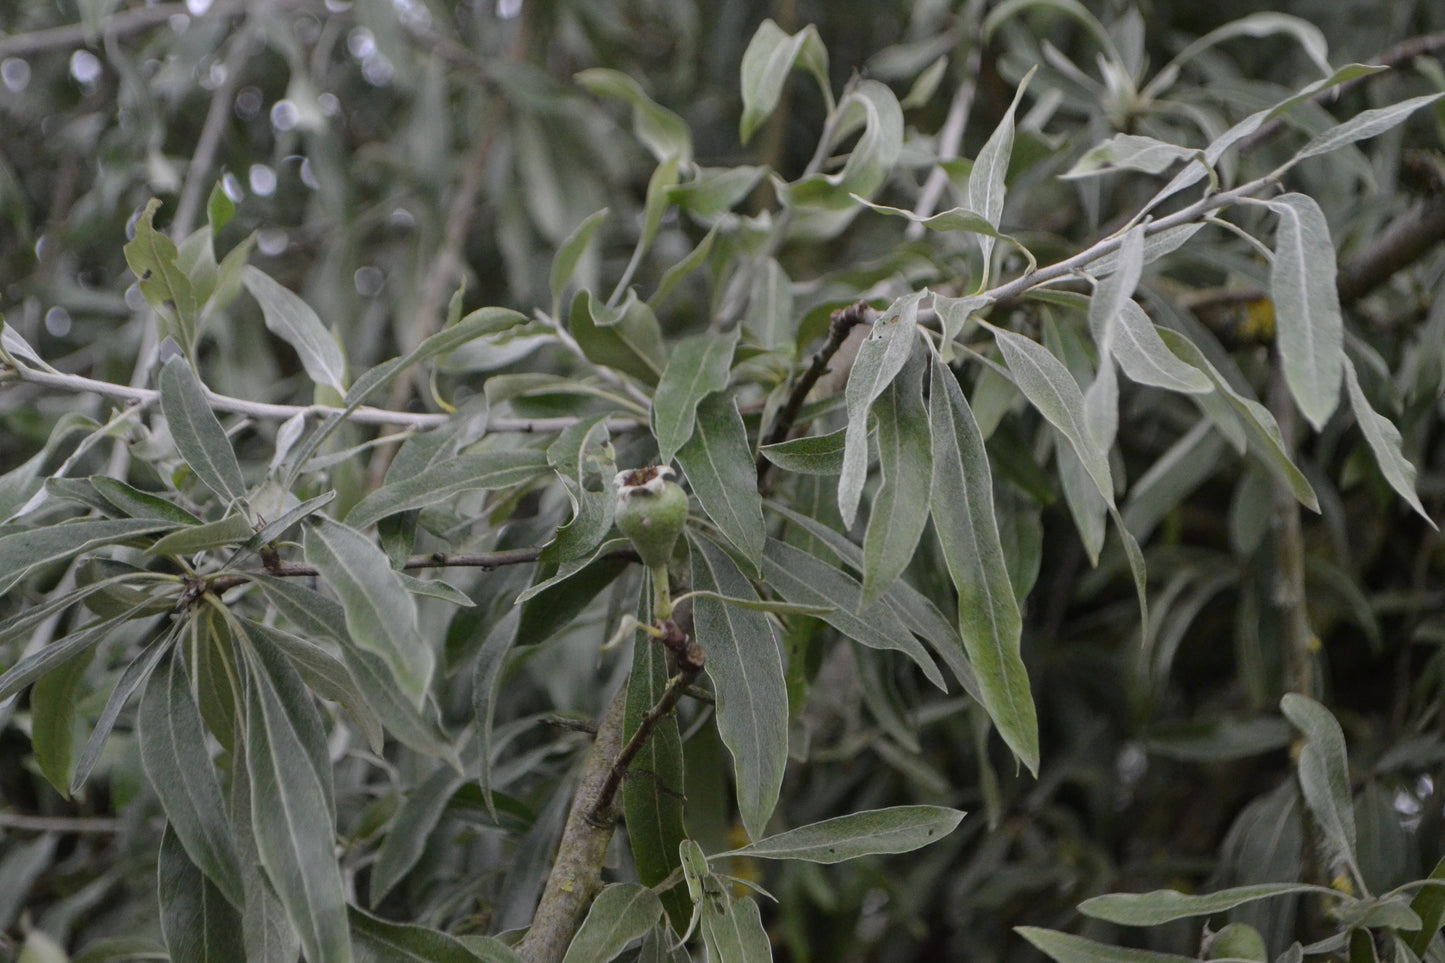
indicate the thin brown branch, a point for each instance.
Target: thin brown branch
{"x":842,"y":322}
{"x":576,"y":876}
{"x":690,"y":662}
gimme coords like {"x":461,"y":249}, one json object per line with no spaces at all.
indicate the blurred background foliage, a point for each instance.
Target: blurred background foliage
{"x":377,"y":149}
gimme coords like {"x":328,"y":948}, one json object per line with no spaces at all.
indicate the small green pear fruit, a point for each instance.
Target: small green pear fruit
{"x":651,"y":511}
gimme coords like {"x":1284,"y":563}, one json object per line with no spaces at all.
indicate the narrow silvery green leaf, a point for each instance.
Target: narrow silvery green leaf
{"x":375,"y":940}
{"x":697,"y":367}
{"x":732,"y":929}
{"x":988,"y":613}
{"x":954,"y":314}
{"x":899,"y":829}
{"x":900,"y":508}
{"x":718,"y":462}
{"x":199,"y":436}
{"x":872,"y":106}
{"x":1156,"y":245}
{"x":770,"y":307}
{"x":1115,"y":289}
{"x":134,"y":676}
{"x":1068,"y":948}
{"x":410,"y":828}
{"x":292,"y":826}
{"x":380,"y":612}
{"x":1307,"y":306}
{"x":50,"y":657}
{"x":293,"y":321}
{"x":813,"y":455}
{"x":694,"y":260}
{"x":153,"y":258}
{"x":663,"y":179}
{"x":325,"y":674}
{"x":231,"y":530}
{"x":1101,"y":404}
{"x":1384,"y":440}
{"x":479,"y":468}
{"x":1129,"y":152}
{"x":486,"y":683}
{"x":664,"y":133}
{"x":198,"y":923}
{"x":880,"y":358}
{"x":956,"y":219}
{"x":1167,"y":905}
{"x":265,"y":928}
{"x":652,"y":804}
{"x":712,"y":191}
{"x":1086,"y":506}
{"x":564,"y":264}
{"x":628,"y":339}
{"x":770,"y":55}
{"x":54,"y":722}
{"x":178,"y":764}
{"x":1053,"y":391}
{"x":1147,"y":360}
{"x":1324,"y":773}
{"x":1365,"y":124}
{"x":22,"y":552}
{"x":138,"y":504}
{"x":1259,"y":425}
{"x":800,"y":577}
{"x":746,"y":666}
{"x":986,"y":186}
{"x":621,"y":913}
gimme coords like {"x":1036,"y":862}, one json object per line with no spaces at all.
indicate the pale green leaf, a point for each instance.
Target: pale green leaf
{"x":410,"y":828}
{"x":801,"y":578}
{"x":1324,"y":772}
{"x":732,"y":929}
{"x":134,"y":676}
{"x":770,"y":55}
{"x":899,"y":510}
{"x":628,"y":339}
{"x":54,"y":720}
{"x":479,"y":468}
{"x":1365,"y":124}
{"x":293,"y":321}
{"x":621,"y":913}
{"x":138,"y":504}
{"x":178,"y":764}
{"x":1384,"y":440}
{"x":486,"y":686}
{"x":380,"y":612}
{"x":153,"y":257}
{"x":375,"y":940}
{"x":1307,"y":306}
{"x":812,"y":455}
{"x":718,"y":462}
{"x":988,"y":613}
{"x":198,"y":923}
{"x":231,"y":530}
{"x":1147,"y":360}
{"x":292,"y":825}
{"x":986,"y":187}
{"x":697,"y":367}
{"x":663,"y":132}
{"x":1067,"y":948}
{"x":1053,"y":391}
{"x":198,"y":434}
{"x":1166,"y":905}
{"x":564,"y":264}
{"x":23,"y":551}
{"x":770,"y":316}
{"x":1129,"y":152}
{"x":880,"y":358}
{"x":746,"y":667}
{"x":899,"y":829}
{"x":716,"y":189}
{"x":1156,"y":245}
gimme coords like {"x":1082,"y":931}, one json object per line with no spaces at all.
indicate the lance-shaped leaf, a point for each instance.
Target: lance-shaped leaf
{"x":1307,"y":306}
{"x":718,"y":462}
{"x":621,"y":913}
{"x":199,"y":436}
{"x":770,"y":56}
{"x":698,"y":366}
{"x":732,"y":929}
{"x":173,"y":752}
{"x":813,"y":455}
{"x":582,"y":450}
{"x":380,"y":612}
{"x":1167,"y":905}
{"x":564,"y":264}
{"x":988,"y":613}
{"x":628,"y":339}
{"x":663,"y":132}
{"x":1068,"y":948}
{"x":1259,"y":425}
{"x":899,"y":829}
{"x":375,"y":940}
{"x":1147,"y":360}
{"x":22,"y":552}
{"x":410,"y":829}
{"x":484,"y":468}
{"x":900,"y":508}
{"x":1384,"y":440}
{"x":486,"y":683}
{"x":1324,"y":774}
{"x":770,"y":316}
{"x":134,"y":676}
{"x":802,"y":578}
{"x":54,"y":719}
{"x":652,"y":803}
{"x":291,"y":822}
{"x":293,"y":321}
{"x":1365,"y":124}
{"x":746,"y":668}
{"x":138,"y":504}
{"x":199,"y":925}
{"x":1053,"y":391}
{"x":1129,"y":152}
{"x":153,"y":258}
{"x":873,"y":107}
{"x":880,"y":358}
{"x":986,"y":187}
